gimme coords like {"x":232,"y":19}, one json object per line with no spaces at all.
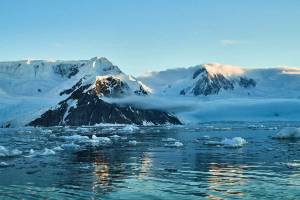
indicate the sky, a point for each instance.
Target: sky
{"x":147,"y":35}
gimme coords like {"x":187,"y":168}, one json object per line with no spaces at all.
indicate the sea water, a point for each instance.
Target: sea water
{"x":221,"y":160}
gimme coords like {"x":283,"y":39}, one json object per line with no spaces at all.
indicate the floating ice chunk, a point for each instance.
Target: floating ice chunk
{"x":16,"y":152}
{"x":46,"y":131}
{"x":293,"y":164}
{"x":31,"y":151}
{"x":4,"y":164}
{"x":129,"y":128}
{"x":175,"y":144}
{"x":288,"y":133}
{"x":109,"y":129}
{"x":123,"y":138}
{"x":132,"y":142}
{"x":115,"y":137}
{"x":100,"y":140}
{"x":47,"y":152}
{"x":4,"y":152}
{"x":234,"y":142}
{"x":58,"y":148}
{"x":169,"y":140}
{"x":227,"y":142}
{"x":146,"y":123}
{"x":83,"y":130}
{"x":76,"y":138}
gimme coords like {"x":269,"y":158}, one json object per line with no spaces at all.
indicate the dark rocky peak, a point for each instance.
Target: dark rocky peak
{"x":67,"y":69}
{"x":86,"y":108}
{"x":247,"y":82}
{"x":199,"y":71}
{"x":110,"y":86}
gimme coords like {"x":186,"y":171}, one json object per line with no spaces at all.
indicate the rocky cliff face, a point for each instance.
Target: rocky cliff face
{"x":207,"y":83}
{"x":84,"y":107}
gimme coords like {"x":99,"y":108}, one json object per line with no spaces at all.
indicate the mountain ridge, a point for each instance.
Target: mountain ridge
{"x":46,"y":85}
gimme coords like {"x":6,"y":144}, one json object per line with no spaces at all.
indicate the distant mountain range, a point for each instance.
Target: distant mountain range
{"x":89,"y":92}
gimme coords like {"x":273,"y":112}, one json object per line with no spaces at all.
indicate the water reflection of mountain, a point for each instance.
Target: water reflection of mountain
{"x":110,"y":166}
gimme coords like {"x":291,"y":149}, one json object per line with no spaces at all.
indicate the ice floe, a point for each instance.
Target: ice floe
{"x":83,"y":129}
{"x":235,"y":142}
{"x":76,"y":138}
{"x":175,"y":144}
{"x":109,"y":129}
{"x":4,"y":152}
{"x":169,"y":140}
{"x":129,"y":128}
{"x":115,"y":137}
{"x":58,"y":148}
{"x":100,"y":140}
{"x":288,"y":133}
{"x":132,"y":142}
{"x":4,"y":164}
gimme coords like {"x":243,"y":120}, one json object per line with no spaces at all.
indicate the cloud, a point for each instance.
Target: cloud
{"x":230,"y":42}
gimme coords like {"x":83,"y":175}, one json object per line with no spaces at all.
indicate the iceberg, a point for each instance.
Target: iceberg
{"x":234,"y":142}
{"x":288,"y":133}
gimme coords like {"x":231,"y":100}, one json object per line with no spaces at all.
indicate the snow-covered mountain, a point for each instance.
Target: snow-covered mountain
{"x":223,"y":81}
{"x":49,"y":93}
{"x":87,"y":92}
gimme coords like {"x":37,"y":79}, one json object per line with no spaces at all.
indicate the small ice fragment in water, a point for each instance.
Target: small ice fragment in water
{"x":16,"y":152}
{"x":109,"y":129}
{"x":293,"y":165}
{"x":169,"y":140}
{"x":234,"y":142}
{"x":4,"y":164}
{"x":47,"y":131}
{"x":76,"y":138}
{"x":115,"y":137}
{"x":288,"y":133}
{"x":100,"y":140}
{"x":129,"y":128}
{"x":230,"y":143}
{"x":47,"y":152}
{"x":4,"y":152}
{"x":58,"y":148}
{"x":31,"y":151}
{"x":175,"y":144}
{"x":83,"y":130}
{"x":132,"y":142}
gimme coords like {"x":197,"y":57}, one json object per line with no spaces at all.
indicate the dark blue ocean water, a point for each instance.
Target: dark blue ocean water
{"x":145,"y":164}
